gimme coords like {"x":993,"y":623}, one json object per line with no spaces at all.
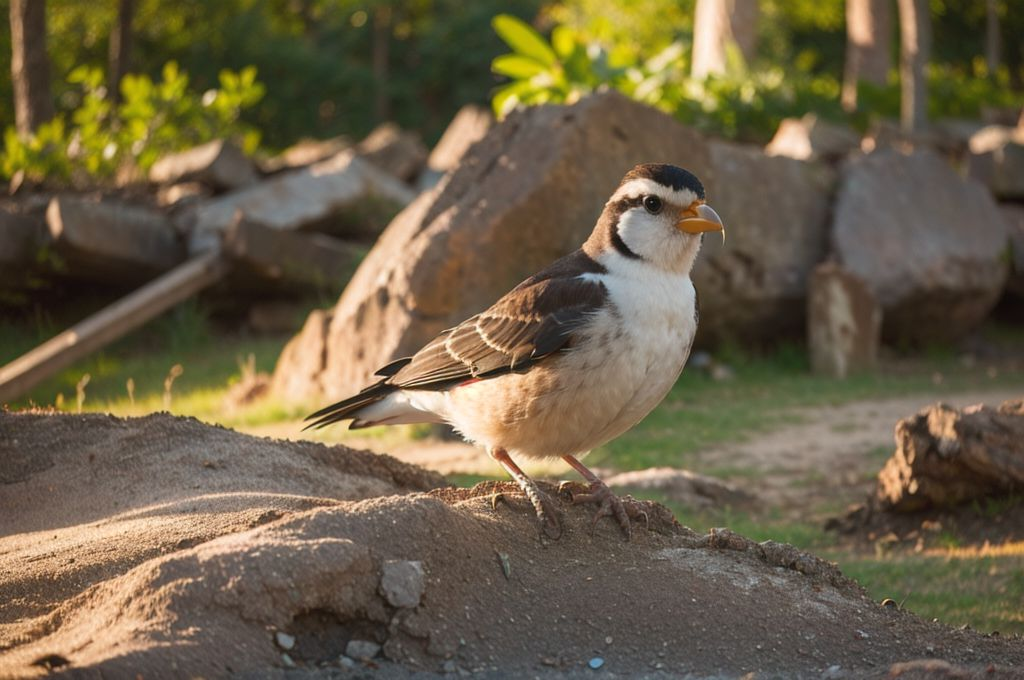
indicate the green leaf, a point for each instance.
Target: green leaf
{"x":509,"y":97}
{"x":522,"y":38}
{"x":516,"y":66}
{"x":563,"y":39}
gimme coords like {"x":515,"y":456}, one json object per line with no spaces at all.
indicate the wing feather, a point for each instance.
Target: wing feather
{"x":533,"y":321}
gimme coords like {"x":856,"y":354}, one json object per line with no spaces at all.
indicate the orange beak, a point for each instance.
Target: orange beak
{"x":699,"y":218}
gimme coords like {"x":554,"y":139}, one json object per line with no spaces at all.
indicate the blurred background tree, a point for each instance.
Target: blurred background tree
{"x":333,"y":67}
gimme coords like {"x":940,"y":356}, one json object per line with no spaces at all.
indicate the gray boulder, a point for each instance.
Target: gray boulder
{"x":298,"y":199}
{"x":218,"y":164}
{"x":110,"y":241}
{"x":810,"y":138}
{"x":930,"y":246}
{"x":529,"y":192}
{"x":997,"y":160}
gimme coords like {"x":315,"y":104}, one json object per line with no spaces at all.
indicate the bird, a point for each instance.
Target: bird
{"x":573,"y":356}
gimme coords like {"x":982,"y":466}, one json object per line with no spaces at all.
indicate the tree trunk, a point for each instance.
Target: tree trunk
{"x":992,"y":38}
{"x":30,"y":65}
{"x":915,"y":51}
{"x":119,"y":54}
{"x":718,"y":23}
{"x":381,"y":54}
{"x":868,"y":46}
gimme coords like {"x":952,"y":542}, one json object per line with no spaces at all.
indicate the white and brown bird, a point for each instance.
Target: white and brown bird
{"x":573,"y":356}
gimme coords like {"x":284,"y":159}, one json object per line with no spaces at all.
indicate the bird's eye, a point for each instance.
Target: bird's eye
{"x":652,"y":204}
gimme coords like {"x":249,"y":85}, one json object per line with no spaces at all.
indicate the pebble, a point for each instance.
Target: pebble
{"x":284,"y":640}
{"x":448,"y":666}
{"x":287,"y":661}
{"x":596,"y":662}
{"x":402,"y":583}
{"x":346,"y":662}
{"x":361,"y":649}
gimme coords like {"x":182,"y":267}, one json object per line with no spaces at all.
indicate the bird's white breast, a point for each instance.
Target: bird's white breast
{"x":625,"y":361}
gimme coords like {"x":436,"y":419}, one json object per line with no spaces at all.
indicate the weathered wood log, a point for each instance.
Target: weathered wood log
{"x":946,"y":456}
{"x":109,"y":324}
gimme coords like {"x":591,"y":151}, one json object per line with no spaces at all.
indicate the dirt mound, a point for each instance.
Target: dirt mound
{"x":86,"y":498}
{"x":445,"y":582}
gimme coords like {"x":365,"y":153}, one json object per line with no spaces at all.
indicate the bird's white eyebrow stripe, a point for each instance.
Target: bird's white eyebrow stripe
{"x":642,"y":186}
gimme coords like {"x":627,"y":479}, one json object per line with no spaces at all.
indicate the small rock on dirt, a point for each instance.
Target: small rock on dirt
{"x":402,"y":583}
{"x":361,"y":649}
{"x":284,"y":640}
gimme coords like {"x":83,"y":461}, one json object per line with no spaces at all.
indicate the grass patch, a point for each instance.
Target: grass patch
{"x":765,"y":394}
{"x":983,"y":592}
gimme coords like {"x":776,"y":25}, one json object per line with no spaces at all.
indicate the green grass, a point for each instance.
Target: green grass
{"x":700,"y":412}
{"x":984,"y":592}
{"x":210,"y":362}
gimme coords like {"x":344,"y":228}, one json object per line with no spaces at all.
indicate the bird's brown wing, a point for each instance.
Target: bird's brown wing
{"x":531,"y":322}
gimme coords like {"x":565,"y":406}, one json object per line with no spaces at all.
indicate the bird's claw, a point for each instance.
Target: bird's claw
{"x":624,"y":509}
{"x":547,"y":511}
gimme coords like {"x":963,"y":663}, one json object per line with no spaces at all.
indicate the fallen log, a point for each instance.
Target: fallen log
{"x":110,"y":323}
{"x":945,"y":457}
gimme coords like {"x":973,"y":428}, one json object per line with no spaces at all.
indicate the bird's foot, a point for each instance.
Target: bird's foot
{"x":546,"y":509}
{"x":624,"y":509}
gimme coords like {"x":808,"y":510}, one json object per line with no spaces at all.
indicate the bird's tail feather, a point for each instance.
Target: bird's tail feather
{"x":348,"y":409}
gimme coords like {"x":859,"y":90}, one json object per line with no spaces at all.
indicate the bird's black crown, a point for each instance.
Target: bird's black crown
{"x":667,"y":175}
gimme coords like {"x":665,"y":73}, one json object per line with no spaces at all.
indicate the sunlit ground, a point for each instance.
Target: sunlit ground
{"x":949,"y":579}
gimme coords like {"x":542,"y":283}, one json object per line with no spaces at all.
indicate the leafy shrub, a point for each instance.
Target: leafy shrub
{"x":154,"y":118}
{"x":739,"y":104}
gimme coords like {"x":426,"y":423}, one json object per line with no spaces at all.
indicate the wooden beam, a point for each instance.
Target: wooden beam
{"x":110,"y":323}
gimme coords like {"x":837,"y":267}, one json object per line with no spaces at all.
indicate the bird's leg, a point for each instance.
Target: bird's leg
{"x":608,"y":504}
{"x":547,"y":513}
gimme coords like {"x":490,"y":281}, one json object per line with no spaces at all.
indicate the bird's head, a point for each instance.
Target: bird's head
{"x":657,"y":215}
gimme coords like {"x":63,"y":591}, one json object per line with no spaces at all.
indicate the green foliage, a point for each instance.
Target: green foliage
{"x":154,"y":118}
{"x":742,"y":103}
{"x":737,"y":104}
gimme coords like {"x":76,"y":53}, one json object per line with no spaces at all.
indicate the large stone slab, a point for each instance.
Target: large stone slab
{"x":295,"y":200}
{"x":929,"y":245}
{"x":218,"y":164}
{"x":112,"y":241}
{"x":753,"y":287}
{"x":531,"y":190}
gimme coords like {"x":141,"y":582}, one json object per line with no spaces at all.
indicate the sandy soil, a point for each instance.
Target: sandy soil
{"x":169,"y":548}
